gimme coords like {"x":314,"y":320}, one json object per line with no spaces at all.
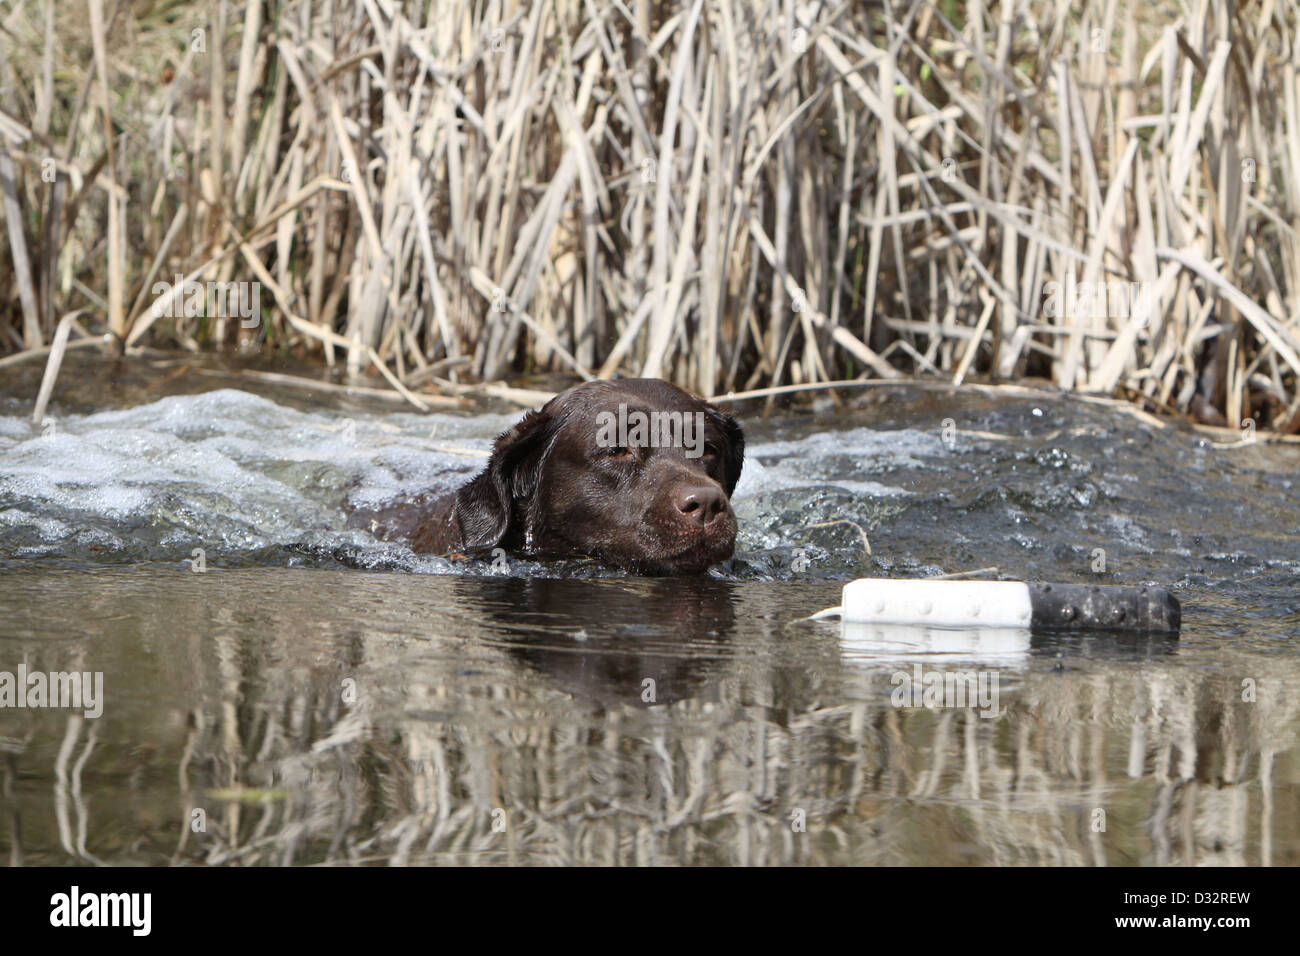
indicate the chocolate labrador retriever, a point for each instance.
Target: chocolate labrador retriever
{"x":635,"y":472}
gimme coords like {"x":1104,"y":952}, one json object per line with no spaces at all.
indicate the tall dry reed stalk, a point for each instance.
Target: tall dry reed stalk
{"x":730,"y":193}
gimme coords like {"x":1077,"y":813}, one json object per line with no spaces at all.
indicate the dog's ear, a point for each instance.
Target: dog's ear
{"x":733,"y":457}
{"x":485,"y":507}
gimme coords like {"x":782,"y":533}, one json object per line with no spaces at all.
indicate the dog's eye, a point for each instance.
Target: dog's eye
{"x":621,"y":452}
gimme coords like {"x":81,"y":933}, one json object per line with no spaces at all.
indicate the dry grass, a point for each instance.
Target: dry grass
{"x":729,"y":194}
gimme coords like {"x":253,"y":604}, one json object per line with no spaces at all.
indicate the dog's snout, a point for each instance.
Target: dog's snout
{"x":700,"y":503}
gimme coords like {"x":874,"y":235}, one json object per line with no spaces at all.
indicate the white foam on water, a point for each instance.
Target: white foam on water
{"x":839,"y":459}
{"x":235,"y":472}
{"x":223,"y":469}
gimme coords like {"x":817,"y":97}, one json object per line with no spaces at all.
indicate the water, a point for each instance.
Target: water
{"x":316,"y":696}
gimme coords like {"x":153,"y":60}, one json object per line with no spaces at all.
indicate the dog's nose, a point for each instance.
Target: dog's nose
{"x":700,"y":503}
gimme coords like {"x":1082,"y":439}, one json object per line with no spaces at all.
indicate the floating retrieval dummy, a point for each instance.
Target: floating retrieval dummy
{"x":966,"y":604}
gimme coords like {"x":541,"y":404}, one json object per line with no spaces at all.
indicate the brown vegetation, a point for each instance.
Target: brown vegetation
{"x":727,"y":194}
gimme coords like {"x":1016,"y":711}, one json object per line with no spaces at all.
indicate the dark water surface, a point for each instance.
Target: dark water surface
{"x":316,"y":696}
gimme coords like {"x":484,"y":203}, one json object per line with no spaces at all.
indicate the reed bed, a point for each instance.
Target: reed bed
{"x":731,"y":194}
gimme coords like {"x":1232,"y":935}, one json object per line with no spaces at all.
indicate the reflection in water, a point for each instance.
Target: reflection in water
{"x":1004,"y":646}
{"x":280,"y":716}
{"x":659,"y":640}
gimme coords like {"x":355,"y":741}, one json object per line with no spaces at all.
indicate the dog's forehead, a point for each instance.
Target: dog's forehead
{"x":650,"y":392}
{"x":588,"y":400}
{"x":584,"y":410}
